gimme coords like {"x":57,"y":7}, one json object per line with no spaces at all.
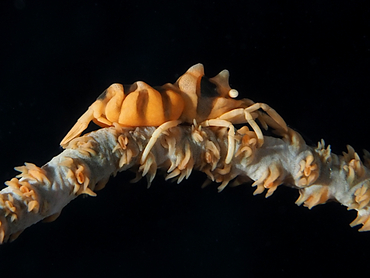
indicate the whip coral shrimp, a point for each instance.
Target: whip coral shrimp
{"x":192,"y":99}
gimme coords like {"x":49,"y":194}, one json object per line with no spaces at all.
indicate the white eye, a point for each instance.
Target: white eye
{"x":233,"y":93}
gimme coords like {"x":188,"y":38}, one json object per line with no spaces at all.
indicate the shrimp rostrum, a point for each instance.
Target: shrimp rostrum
{"x":193,"y":99}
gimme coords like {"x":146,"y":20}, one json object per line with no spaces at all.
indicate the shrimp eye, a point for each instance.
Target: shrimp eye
{"x":233,"y":93}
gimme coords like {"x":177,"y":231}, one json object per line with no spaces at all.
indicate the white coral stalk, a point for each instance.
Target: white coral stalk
{"x":88,"y":162}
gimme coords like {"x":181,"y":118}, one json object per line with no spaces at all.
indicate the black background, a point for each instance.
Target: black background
{"x":308,"y":59}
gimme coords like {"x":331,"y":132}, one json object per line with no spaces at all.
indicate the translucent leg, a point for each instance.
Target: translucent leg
{"x":245,"y":115}
{"x":155,"y":136}
{"x":271,"y":112}
{"x":231,"y":141}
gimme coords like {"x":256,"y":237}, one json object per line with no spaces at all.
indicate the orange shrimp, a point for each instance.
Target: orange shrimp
{"x":192,"y":99}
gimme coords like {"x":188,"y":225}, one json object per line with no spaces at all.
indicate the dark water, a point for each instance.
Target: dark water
{"x":309,"y":61}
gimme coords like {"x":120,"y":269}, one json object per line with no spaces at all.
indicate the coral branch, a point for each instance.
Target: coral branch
{"x":88,"y":162}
